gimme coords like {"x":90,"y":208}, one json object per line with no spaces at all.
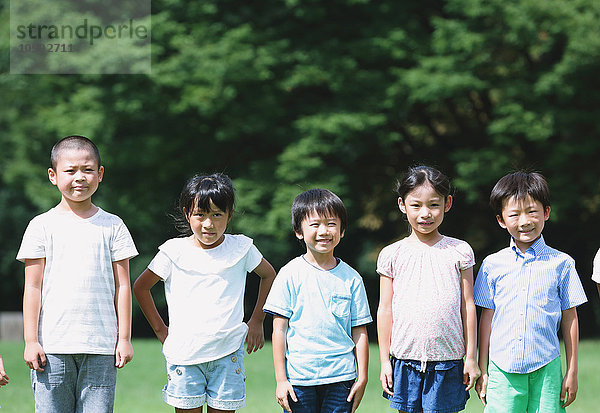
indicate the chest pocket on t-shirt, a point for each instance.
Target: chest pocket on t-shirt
{"x":340,"y":305}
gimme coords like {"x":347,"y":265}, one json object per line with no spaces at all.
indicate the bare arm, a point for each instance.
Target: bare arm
{"x":485,"y":329}
{"x":124,"y":350}
{"x":34,"y":355}
{"x":3,"y":376}
{"x":471,"y":371}
{"x":361,"y":349}
{"x":284,"y":388}
{"x":570,"y":329}
{"x":256,"y":334}
{"x":384,"y":332}
{"x":141,"y":289}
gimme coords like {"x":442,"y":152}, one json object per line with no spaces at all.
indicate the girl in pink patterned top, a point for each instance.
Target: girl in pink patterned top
{"x":426,"y":319}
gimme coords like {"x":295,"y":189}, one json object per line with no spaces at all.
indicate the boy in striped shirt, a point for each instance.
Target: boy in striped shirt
{"x":526,"y":291}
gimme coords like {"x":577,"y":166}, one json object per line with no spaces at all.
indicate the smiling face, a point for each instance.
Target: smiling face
{"x":77,"y":176}
{"x":208,"y":226}
{"x":524,"y":220}
{"x":424,"y":208}
{"x":321,"y":234}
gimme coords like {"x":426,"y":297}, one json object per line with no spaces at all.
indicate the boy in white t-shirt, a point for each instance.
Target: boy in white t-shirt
{"x":77,"y":299}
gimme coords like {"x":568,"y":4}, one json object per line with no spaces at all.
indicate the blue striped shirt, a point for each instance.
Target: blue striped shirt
{"x":528,"y":292}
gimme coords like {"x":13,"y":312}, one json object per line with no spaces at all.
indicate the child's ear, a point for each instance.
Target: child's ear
{"x":401,"y":205}
{"x":52,"y":176}
{"x":186,"y":215}
{"x":299,"y":235}
{"x":448,"y":203}
{"x":230,"y":214}
{"x":500,"y":221}
{"x":547,"y":213}
{"x":100,"y":173}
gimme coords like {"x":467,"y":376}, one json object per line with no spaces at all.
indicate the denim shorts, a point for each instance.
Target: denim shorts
{"x":439,"y":389}
{"x":219,"y":383}
{"x":82,"y":383}
{"x":324,"y":398}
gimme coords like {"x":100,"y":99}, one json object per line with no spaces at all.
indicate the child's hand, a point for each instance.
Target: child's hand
{"x":285,"y":389}
{"x":162,"y":335}
{"x":356,"y":393}
{"x":568,"y":391}
{"x":3,"y":376}
{"x":256,"y":336}
{"x":471,"y":373}
{"x":123,"y":353}
{"x":481,"y":387}
{"x":387,"y":377}
{"x":34,"y":356}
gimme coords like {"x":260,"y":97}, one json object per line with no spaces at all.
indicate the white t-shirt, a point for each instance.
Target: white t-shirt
{"x":596,"y":271}
{"x":78,"y":313}
{"x":205,"y":296}
{"x":426,"y":305}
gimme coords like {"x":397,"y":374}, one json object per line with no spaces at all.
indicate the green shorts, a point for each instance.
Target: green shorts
{"x":538,"y":391}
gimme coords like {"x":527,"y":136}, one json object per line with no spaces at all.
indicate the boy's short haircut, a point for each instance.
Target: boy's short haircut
{"x":76,"y":142}
{"x":520,"y":185}
{"x":323,"y":202}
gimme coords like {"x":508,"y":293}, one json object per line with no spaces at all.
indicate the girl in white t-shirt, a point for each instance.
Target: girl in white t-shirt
{"x":426,"y":319}
{"x":205,"y":276}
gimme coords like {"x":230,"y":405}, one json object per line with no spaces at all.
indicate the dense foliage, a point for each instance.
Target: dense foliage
{"x":343,"y":94}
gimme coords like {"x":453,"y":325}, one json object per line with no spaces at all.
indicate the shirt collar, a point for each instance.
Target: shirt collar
{"x":535,"y":249}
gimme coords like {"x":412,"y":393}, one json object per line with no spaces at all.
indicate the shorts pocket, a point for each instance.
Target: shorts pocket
{"x":340,"y":305}
{"x":54,"y":372}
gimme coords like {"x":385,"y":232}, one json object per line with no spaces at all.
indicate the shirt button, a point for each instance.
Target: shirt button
{"x":238,"y":370}
{"x":234,"y":359}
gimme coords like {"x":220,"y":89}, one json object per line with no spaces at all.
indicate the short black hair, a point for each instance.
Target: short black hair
{"x":520,"y":185}
{"x":198,"y":192}
{"x":77,"y":142}
{"x":323,"y":202}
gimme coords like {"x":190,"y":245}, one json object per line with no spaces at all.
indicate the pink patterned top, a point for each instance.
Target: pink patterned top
{"x":427,"y":323}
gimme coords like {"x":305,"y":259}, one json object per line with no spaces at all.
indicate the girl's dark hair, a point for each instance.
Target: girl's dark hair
{"x":323,"y":202}
{"x":520,"y":185}
{"x":198,"y":191}
{"x":419,"y":175}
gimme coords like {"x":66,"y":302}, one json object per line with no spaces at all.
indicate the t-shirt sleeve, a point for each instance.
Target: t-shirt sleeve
{"x":596,"y":270}
{"x":253,"y":258}
{"x":161,"y":265}
{"x":123,"y":246}
{"x":483,"y":291}
{"x":570,"y":289}
{"x":467,"y":256}
{"x":33,"y":244}
{"x":359,"y":310}
{"x":385,"y":262}
{"x":279,"y":300}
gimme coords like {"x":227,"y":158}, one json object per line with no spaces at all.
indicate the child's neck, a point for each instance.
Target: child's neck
{"x":323,"y":261}
{"x":429,"y":239}
{"x":84,"y":209}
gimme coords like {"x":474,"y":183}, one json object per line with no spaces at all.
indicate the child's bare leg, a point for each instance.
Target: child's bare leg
{"x":196,"y":410}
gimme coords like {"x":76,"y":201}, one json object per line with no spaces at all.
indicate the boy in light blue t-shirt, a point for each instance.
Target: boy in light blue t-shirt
{"x":320,"y":310}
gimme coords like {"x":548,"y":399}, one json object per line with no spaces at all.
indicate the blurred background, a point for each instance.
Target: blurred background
{"x":284,"y":96}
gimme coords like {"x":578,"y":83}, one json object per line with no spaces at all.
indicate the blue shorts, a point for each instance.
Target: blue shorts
{"x":75,"y":382}
{"x":323,"y":398}
{"x":219,"y":383}
{"x":439,"y":389}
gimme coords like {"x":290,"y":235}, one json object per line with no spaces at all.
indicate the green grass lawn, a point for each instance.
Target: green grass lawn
{"x":139,"y":384}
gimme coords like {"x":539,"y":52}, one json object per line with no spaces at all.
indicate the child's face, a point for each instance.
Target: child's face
{"x":208,"y":226}
{"x":321,"y":233}
{"x":524,"y":220}
{"x":424,"y":208}
{"x":77,"y":175}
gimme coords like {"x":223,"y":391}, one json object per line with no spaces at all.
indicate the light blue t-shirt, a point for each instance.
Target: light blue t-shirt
{"x":322,"y":307}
